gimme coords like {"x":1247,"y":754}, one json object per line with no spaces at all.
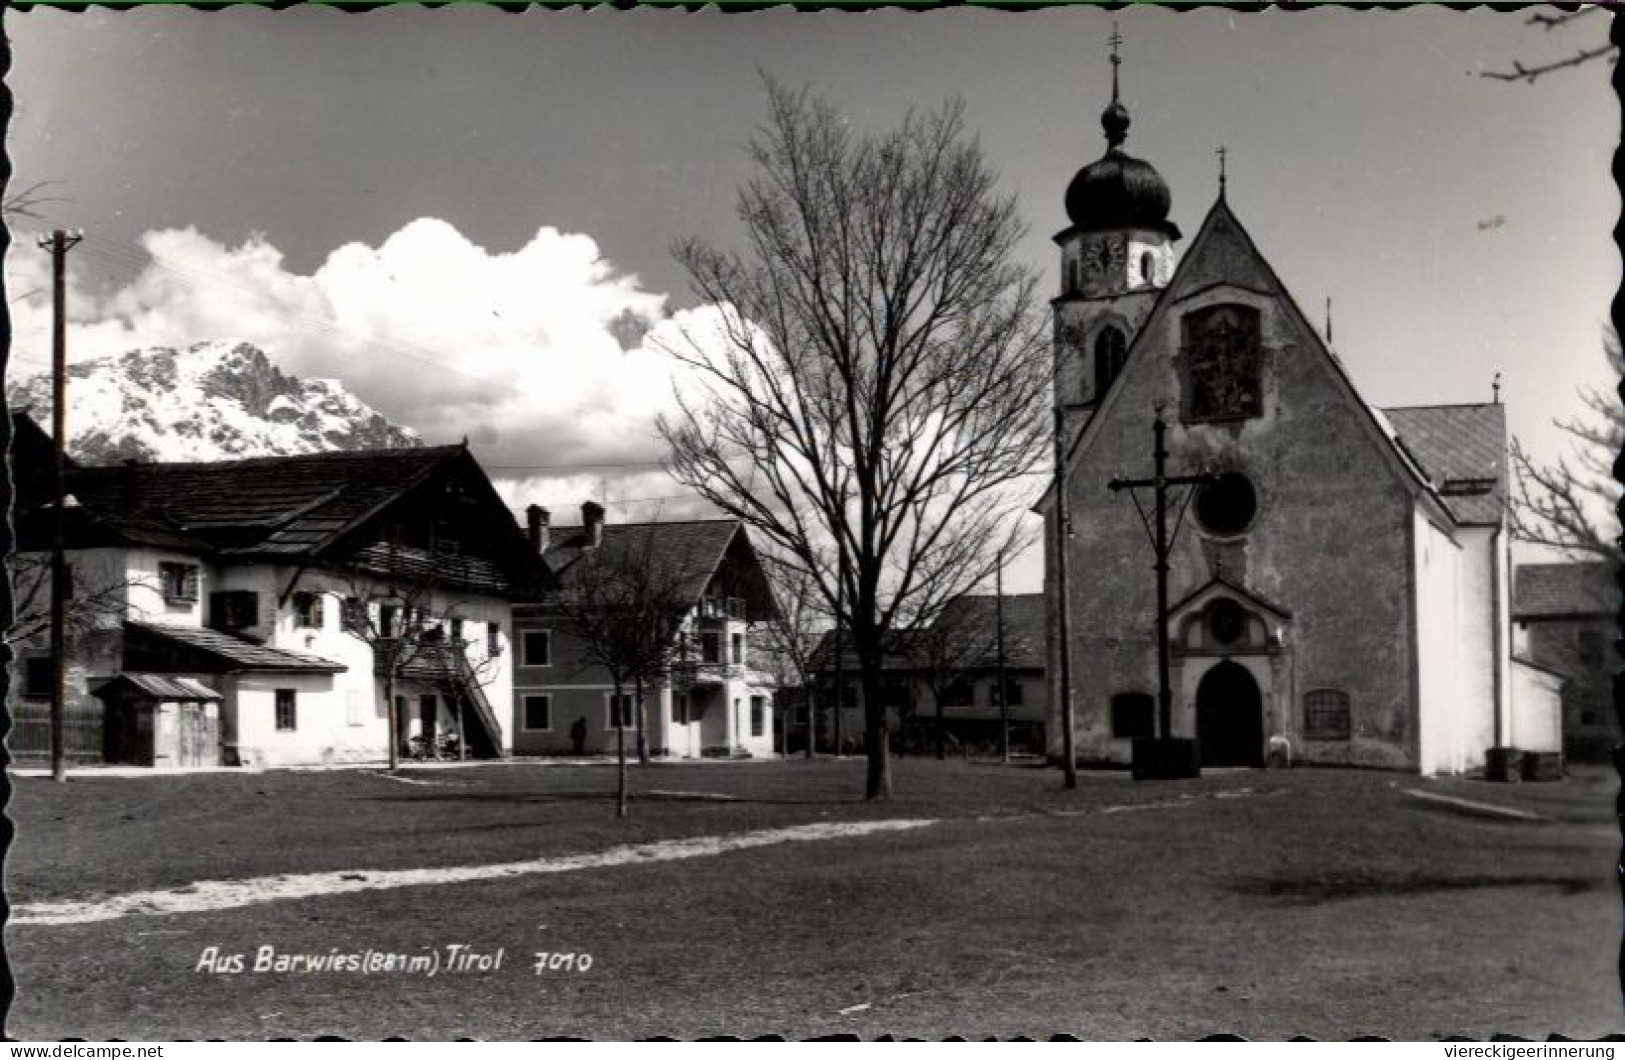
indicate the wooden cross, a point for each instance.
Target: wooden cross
{"x":1222,"y":152}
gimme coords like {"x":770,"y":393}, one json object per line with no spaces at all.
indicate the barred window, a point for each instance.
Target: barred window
{"x":307,"y":610}
{"x":179,"y":582}
{"x":958,"y":694}
{"x":1326,"y":715}
{"x":1131,"y":715}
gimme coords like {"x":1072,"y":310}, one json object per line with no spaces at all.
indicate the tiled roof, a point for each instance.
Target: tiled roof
{"x":284,"y":505}
{"x":160,"y":686}
{"x":690,"y":551}
{"x":1463,"y":450}
{"x":234,"y":653}
{"x":972,"y":618}
{"x":1024,"y":621}
{"x":1564,"y":590}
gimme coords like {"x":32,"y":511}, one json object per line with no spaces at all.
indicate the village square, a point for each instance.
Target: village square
{"x":973,"y":612}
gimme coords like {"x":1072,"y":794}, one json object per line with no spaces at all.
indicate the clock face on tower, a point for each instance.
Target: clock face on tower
{"x":1103,"y":256}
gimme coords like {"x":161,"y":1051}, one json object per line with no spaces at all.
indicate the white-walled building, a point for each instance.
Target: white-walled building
{"x":717,"y":702}
{"x":285,"y":585}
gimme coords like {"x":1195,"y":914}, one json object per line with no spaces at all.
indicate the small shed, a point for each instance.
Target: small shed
{"x":160,"y":720}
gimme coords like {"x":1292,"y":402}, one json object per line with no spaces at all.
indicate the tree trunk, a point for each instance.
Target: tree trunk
{"x":640,"y":728}
{"x":876,"y":737}
{"x":394,"y":719}
{"x":620,"y":756}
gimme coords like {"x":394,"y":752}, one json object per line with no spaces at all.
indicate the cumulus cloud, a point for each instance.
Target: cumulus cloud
{"x":541,"y":357}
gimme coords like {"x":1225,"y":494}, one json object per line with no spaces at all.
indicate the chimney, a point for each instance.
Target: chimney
{"x":592,"y":523}
{"x":536,"y":526}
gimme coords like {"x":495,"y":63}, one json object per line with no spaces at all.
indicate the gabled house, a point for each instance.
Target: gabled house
{"x":955,"y":659}
{"x":717,"y":701}
{"x":1565,"y":620}
{"x":296,"y":590}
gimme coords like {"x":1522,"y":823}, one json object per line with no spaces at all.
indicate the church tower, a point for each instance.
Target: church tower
{"x":1116,"y":255}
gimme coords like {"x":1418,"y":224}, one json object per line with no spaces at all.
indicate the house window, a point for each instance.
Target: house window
{"x":353,"y":615}
{"x":536,"y":645}
{"x":287,"y":710}
{"x":493,"y":639}
{"x":679,"y":708}
{"x":179,"y":582}
{"x":38,"y":676}
{"x":355,"y":707}
{"x":619,"y":711}
{"x":1131,"y":716}
{"x":389,"y":621}
{"x":307,"y":610}
{"x":457,"y":630}
{"x":710,"y":646}
{"x":758,"y":715}
{"x":538,"y":713}
{"x":1326,"y":715}
{"x":736,"y":608}
{"x":736,"y":649}
{"x":958,"y":694}
{"x":1012,"y":691}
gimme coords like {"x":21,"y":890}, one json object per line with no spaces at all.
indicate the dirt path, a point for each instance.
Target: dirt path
{"x":208,"y":895}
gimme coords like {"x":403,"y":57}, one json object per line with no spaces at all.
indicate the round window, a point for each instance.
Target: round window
{"x":1225,"y":620}
{"x":1227,"y":505}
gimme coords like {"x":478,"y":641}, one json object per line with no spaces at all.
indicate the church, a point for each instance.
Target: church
{"x":1337,"y":582}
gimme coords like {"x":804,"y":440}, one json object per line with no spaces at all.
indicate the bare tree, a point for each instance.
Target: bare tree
{"x":791,"y":635}
{"x":943,"y":654}
{"x":628,"y":605}
{"x":1549,"y":22}
{"x":92,"y":604}
{"x":874,"y":400}
{"x":1559,"y":504}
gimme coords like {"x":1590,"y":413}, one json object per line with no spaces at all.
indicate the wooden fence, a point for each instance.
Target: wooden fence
{"x":30,"y":739}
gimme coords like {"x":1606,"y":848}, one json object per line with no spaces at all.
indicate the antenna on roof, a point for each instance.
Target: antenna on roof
{"x":1495,"y":388}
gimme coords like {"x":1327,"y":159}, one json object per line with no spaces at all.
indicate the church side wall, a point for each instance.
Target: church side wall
{"x":1444,"y":722}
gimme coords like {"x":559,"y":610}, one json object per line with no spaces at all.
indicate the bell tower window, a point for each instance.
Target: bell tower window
{"x":1148,"y":268}
{"x":1111,"y":350}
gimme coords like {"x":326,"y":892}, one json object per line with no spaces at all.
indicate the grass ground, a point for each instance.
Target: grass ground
{"x":1267,"y":904}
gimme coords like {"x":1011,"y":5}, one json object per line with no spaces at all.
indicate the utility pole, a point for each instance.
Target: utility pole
{"x":1063,"y":532}
{"x":58,"y":243}
{"x":1162,"y":541}
{"x":840,"y":649}
{"x":1004,"y":688}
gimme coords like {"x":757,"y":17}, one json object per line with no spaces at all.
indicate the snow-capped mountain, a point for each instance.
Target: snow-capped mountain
{"x":210,"y":401}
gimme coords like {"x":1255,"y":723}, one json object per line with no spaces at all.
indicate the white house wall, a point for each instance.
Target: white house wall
{"x":1537,"y":723}
{"x":321,"y":735}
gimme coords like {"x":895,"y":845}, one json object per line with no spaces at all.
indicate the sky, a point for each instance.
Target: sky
{"x":467,"y":215}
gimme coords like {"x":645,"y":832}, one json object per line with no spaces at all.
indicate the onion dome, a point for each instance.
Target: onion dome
{"x":1118,"y":191}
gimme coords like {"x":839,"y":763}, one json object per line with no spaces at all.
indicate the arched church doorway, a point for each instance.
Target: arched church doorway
{"x":1230,"y":717}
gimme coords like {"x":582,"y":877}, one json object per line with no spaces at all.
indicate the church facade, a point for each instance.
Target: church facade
{"x":1337,"y":589}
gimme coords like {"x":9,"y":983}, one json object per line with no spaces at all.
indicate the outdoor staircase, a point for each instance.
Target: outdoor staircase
{"x":482,"y":733}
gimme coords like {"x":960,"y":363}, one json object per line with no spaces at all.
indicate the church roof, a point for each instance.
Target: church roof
{"x":1462,"y":450}
{"x":1564,"y":590}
